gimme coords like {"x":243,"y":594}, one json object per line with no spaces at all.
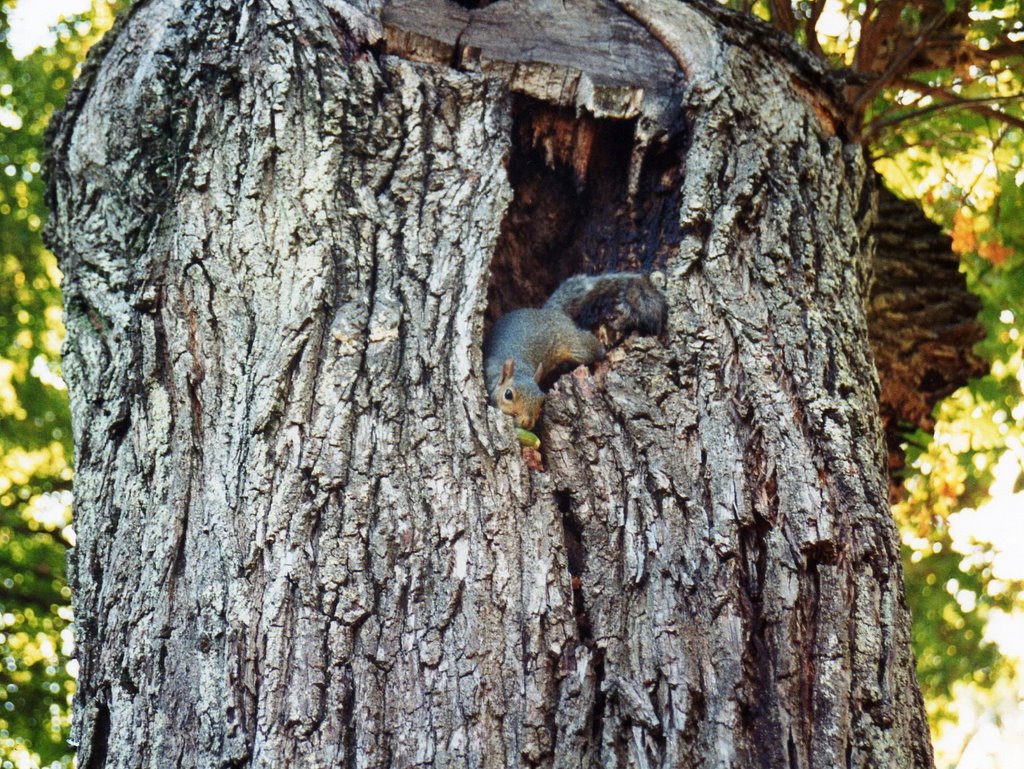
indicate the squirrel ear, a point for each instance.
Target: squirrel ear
{"x":507,"y":369}
{"x":539,"y":372}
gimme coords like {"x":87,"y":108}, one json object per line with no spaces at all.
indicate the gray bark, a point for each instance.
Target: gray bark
{"x":305,"y":540}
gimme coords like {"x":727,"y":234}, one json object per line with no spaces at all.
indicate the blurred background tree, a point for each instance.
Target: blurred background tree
{"x":937,"y":92}
{"x":36,"y":671}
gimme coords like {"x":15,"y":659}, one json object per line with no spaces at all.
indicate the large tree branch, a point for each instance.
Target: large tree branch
{"x":876,"y":29}
{"x":782,"y":16}
{"x":921,"y":318}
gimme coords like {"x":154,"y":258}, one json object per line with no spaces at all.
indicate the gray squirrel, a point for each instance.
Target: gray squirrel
{"x":527,"y":346}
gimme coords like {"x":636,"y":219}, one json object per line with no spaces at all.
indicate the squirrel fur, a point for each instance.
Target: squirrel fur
{"x":528,"y":346}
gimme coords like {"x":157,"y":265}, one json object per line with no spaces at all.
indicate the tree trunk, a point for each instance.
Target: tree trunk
{"x":304,"y":538}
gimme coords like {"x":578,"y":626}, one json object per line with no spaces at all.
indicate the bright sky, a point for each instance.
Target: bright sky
{"x":989,"y":731}
{"x":31,"y":21}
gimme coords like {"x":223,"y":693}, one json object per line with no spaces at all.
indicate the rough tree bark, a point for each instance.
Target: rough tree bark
{"x":305,"y":540}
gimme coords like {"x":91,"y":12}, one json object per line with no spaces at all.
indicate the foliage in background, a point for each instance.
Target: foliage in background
{"x":36,"y":673}
{"x":970,"y":469}
{"x":953,"y":138}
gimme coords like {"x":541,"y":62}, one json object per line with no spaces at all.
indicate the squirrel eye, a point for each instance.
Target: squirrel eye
{"x":508,"y":394}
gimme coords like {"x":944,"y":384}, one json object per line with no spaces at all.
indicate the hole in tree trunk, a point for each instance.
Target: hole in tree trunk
{"x":473,"y":4}
{"x":572,"y":531}
{"x":99,"y":744}
{"x":572,"y":211}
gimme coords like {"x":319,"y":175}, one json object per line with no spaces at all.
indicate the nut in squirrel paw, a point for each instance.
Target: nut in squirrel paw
{"x":533,"y":458}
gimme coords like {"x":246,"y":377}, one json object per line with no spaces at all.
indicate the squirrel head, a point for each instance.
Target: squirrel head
{"x":520,"y":396}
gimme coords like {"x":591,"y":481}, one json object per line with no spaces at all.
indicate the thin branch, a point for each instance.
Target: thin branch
{"x":882,"y":27}
{"x":901,"y":109}
{"x":997,"y":203}
{"x":1013,"y":120}
{"x":896,"y":65}
{"x":978,"y":106}
{"x":990,"y":160}
{"x":865,"y":32}
{"x":964,"y":53}
{"x":809,"y":28}
{"x":1002,"y":51}
{"x":944,"y":92}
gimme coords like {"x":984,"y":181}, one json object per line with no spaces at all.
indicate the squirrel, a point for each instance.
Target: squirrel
{"x":528,"y":346}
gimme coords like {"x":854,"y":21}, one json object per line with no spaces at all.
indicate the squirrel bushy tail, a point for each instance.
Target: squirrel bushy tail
{"x":527,"y":346}
{"x":623,"y":301}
